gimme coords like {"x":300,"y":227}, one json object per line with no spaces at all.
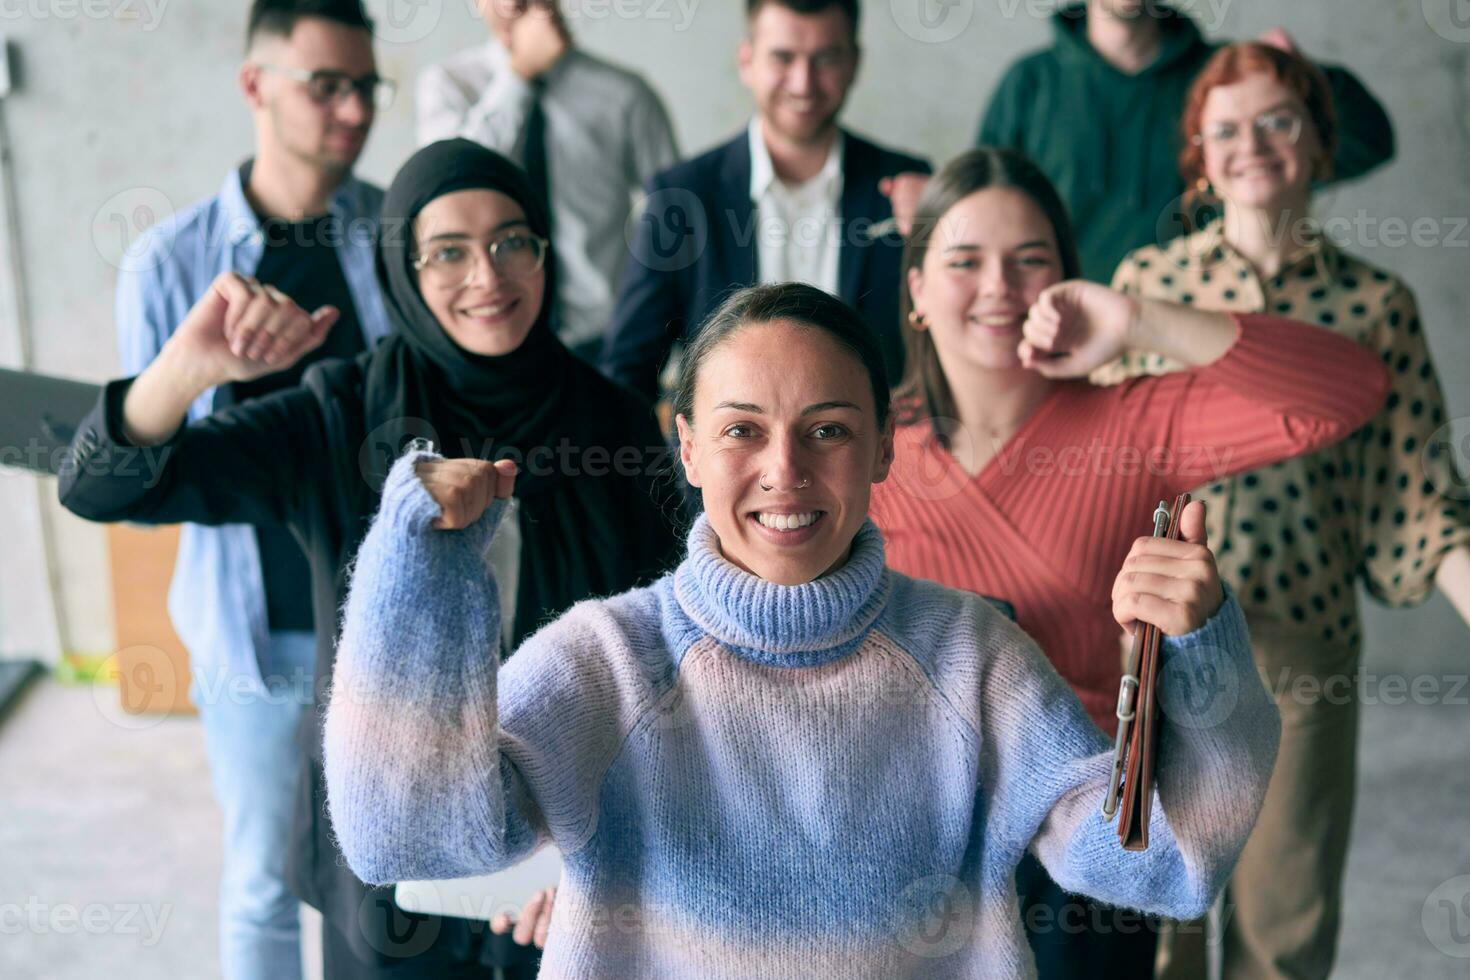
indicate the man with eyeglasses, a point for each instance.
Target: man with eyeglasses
{"x":589,"y":134}
{"x":294,"y":219}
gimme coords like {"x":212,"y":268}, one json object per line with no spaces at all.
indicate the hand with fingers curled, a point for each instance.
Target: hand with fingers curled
{"x":465,"y":488}
{"x":243,"y":329}
{"x":1173,"y":585}
{"x":1075,"y":327}
{"x":903,"y":192}
{"x":532,"y":925}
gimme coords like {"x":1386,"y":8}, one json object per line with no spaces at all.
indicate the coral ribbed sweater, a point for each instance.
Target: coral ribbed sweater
{"x":1047,"y":523}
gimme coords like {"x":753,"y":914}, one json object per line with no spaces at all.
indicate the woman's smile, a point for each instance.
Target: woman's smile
{"x":787,"y":528}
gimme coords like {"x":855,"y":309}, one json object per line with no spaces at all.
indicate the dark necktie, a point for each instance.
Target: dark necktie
{"x":535,"y":160}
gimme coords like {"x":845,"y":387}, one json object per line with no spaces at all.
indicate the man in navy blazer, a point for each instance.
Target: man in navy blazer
{"x":794,"y":197}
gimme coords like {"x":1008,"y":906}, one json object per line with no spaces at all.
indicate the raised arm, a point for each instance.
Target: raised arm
{"x":1262,"y":389}
{"x":1046,"y":769}
{"x":133,"y":458}
{"x":413,"y":772}
{"x":240,"y":330}
{"x":440,"y":764}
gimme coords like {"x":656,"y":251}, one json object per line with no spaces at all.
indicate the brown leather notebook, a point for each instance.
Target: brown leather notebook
{"x":1130,"y":790}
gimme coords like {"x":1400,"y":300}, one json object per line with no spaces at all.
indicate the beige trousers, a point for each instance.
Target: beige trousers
{"x":1282,"y":909}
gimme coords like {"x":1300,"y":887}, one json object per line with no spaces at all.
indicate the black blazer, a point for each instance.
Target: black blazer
{"x":695,"y":244}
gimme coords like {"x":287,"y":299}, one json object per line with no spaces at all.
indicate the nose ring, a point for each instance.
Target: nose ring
{"x":800,"y":486}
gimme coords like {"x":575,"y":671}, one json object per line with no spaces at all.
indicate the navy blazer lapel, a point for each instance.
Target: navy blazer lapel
{"x":861,"y":203}
{"x":734,"y":216}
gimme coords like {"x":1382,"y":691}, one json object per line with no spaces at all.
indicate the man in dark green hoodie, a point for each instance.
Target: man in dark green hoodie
{"x":1099,"y":111}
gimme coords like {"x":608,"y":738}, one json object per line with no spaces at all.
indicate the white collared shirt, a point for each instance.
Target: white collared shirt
{"x":798,"y":228}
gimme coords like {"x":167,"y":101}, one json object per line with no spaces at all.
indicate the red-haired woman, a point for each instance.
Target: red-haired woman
{"x":1294,"y":539}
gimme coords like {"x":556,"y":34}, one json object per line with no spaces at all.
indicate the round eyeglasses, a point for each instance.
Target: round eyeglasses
{"x":449,"y":263}
{"x":1277,"y":128}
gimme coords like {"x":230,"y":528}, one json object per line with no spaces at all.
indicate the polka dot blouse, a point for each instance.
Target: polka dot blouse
{"x":1385,"y":505}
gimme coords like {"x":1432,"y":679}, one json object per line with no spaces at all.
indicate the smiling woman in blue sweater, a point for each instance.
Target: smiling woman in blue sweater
{"x":782,"y":759}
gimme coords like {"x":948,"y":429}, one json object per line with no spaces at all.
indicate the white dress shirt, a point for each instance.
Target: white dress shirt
{"x":607,"y":133}
{"x":798,"y":227}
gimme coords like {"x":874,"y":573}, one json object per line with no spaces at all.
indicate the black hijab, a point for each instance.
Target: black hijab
{"x":586,"y":530}
{"x":467,"y":403}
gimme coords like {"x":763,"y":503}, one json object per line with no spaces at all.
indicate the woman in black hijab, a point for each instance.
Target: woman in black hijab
{"x":474,"y":366}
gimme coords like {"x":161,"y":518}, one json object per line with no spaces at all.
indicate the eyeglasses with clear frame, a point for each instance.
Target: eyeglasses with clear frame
{"x":334,"y":87}
{"x":451,"y":262}
{"x":1278,"y":127}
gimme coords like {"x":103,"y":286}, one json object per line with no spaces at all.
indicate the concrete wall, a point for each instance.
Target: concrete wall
{"x":125,"y":109}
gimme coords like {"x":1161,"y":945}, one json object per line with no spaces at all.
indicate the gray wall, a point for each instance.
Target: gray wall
{"x":124,"y":110}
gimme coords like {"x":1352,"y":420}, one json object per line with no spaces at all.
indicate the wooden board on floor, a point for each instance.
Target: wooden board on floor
{"x":152,"y":664}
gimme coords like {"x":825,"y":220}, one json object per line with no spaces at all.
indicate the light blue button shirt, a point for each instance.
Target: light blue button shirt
{"x":217,"y":597}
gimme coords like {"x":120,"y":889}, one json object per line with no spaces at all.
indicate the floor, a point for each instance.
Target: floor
{"x":109,"y":843}
{"x":109,"y":840}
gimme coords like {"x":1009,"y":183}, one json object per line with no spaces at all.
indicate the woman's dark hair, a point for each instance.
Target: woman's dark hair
{"x":924,"y":392}
{"x":792,"y":302}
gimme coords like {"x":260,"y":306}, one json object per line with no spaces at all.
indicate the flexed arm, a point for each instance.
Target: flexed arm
{"x":240,"y":330}
{"x":247,"y":464}
{"x":1047,"y":767}
{"x":439,"y":762}
{"x":413,"y":772}
{"x":1262,"y":388}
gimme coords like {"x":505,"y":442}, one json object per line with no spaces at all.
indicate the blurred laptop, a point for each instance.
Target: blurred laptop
{"x":484,"y":896}
{"x":39,"y":414}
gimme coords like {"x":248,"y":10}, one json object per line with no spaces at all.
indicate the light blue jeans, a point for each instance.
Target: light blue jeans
{"x":254,"y":759}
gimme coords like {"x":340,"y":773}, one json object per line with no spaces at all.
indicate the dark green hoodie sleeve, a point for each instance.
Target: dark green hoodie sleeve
{"x":1364,"y":132}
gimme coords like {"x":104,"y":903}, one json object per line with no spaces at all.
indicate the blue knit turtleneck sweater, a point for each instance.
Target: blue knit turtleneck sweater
{"x":749,"y":779}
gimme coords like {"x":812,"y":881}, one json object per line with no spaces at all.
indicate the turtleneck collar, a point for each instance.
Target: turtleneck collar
{"x":783,"y":625}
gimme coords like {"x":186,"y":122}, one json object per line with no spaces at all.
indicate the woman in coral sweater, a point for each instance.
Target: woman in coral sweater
{"x":1016,"y":478}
